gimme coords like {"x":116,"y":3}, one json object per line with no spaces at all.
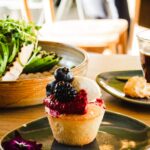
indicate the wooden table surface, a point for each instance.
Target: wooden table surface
{"x":13,"y":118}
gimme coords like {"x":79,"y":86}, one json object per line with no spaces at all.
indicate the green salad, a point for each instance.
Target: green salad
{"x":19,"y":50}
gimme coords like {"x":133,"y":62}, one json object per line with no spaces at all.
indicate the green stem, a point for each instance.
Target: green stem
{"x":41,"y":64}
{"x":15,"y":50}
{"x":35,"y":52}
{"x":5,"y":58}
{"x":1,"y":59}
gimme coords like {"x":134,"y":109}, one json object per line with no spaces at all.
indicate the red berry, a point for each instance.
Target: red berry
{"x":75,"y":106}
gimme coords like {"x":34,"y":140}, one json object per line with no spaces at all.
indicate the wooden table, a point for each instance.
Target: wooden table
{"x":10,"y":119}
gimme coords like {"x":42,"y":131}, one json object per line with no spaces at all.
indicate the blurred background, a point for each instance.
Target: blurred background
{"x":135,"y":12}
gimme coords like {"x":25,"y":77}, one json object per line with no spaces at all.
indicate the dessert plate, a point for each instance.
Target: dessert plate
{"x":116,"y":132}
{"x":113,"y":83}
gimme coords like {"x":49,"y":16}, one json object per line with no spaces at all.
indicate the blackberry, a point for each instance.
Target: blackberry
{"x":64,"y":91}
{"x":63,"y":74}
{"x":50,"y":88}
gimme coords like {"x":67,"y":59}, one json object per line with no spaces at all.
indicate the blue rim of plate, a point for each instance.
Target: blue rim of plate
{"x":104,"y":77}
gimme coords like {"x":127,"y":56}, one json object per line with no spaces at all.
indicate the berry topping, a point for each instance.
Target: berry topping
{"x":99,"y":102}
{"x":63,"y":74}
{"x":63,"y":91}
{"x":76,"y":106}
{"x":50,"y":88}
{"x":65,"y":97}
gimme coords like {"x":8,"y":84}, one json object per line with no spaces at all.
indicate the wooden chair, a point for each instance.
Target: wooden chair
{"x":135,"y":27}
{"x":134,"y":21}
{"x":92,"y":35}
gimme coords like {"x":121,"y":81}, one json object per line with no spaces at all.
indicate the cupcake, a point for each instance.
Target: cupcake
{"x":73,"y":108}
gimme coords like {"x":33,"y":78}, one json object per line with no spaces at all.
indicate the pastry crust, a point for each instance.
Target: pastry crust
{"x":77,"y":129}
{"x":137,"y":87}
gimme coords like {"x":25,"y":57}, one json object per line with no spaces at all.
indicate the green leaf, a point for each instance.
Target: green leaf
{"x":44,"y":61}
{"x":5,"y":58}
{"x":13,"y":35}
